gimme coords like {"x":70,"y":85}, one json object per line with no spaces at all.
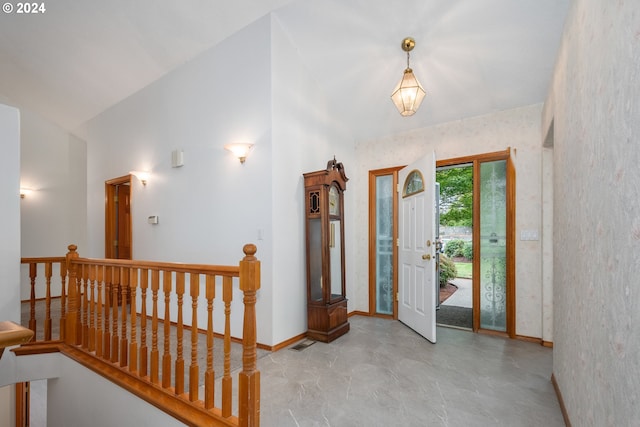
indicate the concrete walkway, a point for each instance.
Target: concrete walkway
{"x":463,"y":297}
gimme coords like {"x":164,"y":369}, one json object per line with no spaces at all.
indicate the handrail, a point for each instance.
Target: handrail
{"x":230,"y":270}
{"x":104,"y":313}
{"x":41,"y":260}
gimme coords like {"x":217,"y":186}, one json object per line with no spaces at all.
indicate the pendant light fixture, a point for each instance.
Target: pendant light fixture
{"x":408,"y":94}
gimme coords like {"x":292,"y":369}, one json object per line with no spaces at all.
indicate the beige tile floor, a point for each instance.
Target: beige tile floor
{"x":382,"y":373}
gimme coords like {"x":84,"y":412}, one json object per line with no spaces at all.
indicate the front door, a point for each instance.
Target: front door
{"x":416,"y":256}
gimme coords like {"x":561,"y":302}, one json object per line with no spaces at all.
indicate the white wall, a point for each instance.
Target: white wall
{"x":10,"y":235}
{"x":305,"y":138}
{"x":595,"y":105}
{"x":519,"y":129}
{"x":213,"y":205}
{"x":104,"y":404}
{"x":210,"y":207}
{"x":10,"y":214}
{"x":53,"y":163}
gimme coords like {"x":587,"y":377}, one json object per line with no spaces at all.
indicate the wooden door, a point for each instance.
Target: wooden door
{"x":118,"y":233}
{"x":416,"y":257}
{"x":124,"y":222}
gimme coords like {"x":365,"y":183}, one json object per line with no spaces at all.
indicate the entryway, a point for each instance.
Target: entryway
{"x":457,"y":309}
{"x":493,"y":247}
{"x":455,"y":234}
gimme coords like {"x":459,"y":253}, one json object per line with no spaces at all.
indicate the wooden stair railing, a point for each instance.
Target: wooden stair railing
{"x":104,"y":322}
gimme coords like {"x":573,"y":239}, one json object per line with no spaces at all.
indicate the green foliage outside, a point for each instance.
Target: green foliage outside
{"x":467,"y":250}
{"x":456,"y":210}
{"x":456,"y":196}
{"x":454,"y":248}
{"x":464,"y":269}
{"x":447,"y":270}
{"x":459,"y":248}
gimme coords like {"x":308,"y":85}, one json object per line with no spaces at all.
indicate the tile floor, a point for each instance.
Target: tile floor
{"x":383,"y":374}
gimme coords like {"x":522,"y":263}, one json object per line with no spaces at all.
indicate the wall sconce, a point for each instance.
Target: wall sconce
{"x":143,"y":176}
{"x":240,"y":150}
{"x":408,"y":94}
{"x":24,"y":192}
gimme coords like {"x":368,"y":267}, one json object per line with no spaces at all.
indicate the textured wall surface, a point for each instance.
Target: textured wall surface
{"x":595,"y":105}
{"x":517,"y":128}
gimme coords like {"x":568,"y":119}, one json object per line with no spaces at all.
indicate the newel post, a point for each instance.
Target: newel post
{"x":249,"y":378}
{"x":72,"y":334}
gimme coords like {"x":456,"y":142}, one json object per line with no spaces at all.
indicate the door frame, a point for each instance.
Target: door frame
{"x":475,"y":160}
{"x":110,"y":215}
{"x":510,"y":245}
{"x":373,"y":292}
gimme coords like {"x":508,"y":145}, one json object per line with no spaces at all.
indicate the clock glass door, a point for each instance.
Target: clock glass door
{"x":335,"y":257}
{"x":335,"y":246}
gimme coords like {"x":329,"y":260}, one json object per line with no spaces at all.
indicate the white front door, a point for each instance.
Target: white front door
{"x":416,"y":257}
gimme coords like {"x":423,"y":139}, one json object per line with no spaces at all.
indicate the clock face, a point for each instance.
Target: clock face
{"x":334,"y":201}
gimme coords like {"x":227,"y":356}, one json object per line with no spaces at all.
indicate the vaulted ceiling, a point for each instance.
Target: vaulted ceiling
{"x":473,"y":57}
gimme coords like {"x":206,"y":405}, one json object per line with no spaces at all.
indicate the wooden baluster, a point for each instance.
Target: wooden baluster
{"x":79,"y":296}
{"x":144,"y":283}
{"x":92,"y":308}
{"x":72,"y":334}
{"x":194,"y":370}
{"x":108,"y":271}
{"x":180,"y":332}
{"x":115,"y":284}
{"x":166,"y":356}
{"x":85,"y":306}
{"x":100,"y":322}
{"x":63,"y":299}
{"x":124,"y":291}
{"x":209,"y":376}
{"x":155,"y":285}
{"x":227,"y":382}
{"x":249,"y":378}
{"x":133,"y":346}
{"x":33,"y":273}
{"x":47,"y":303}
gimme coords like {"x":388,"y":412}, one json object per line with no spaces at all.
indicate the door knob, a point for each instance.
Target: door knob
{"x":426,"y":256}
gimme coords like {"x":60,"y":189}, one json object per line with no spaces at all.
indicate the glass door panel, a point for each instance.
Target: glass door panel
{"x":493,"y":247}
{"x":315,"y":259}
{"x":384,"y":244}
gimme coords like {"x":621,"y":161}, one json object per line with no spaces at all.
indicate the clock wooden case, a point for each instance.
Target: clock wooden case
{"x":326,"y":297}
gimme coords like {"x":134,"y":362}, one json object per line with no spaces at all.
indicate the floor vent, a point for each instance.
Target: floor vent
{"x":301,"y":346}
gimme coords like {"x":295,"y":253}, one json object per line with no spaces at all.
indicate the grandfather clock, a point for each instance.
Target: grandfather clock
{"x":326,"y":298}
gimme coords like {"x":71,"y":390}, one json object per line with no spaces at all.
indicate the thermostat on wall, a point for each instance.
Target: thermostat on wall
{"x":153,"y":219}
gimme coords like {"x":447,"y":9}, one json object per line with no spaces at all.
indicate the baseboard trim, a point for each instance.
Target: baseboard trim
{"x":303,"y":335}
{"x":529,"y":339}
{"x":288,"y":342}
{"x":563,"y":409}
{"x":358,"y":313}
{"x":548,"y":344}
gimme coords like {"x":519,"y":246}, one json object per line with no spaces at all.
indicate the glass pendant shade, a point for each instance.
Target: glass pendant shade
{"x":408,"y":94}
